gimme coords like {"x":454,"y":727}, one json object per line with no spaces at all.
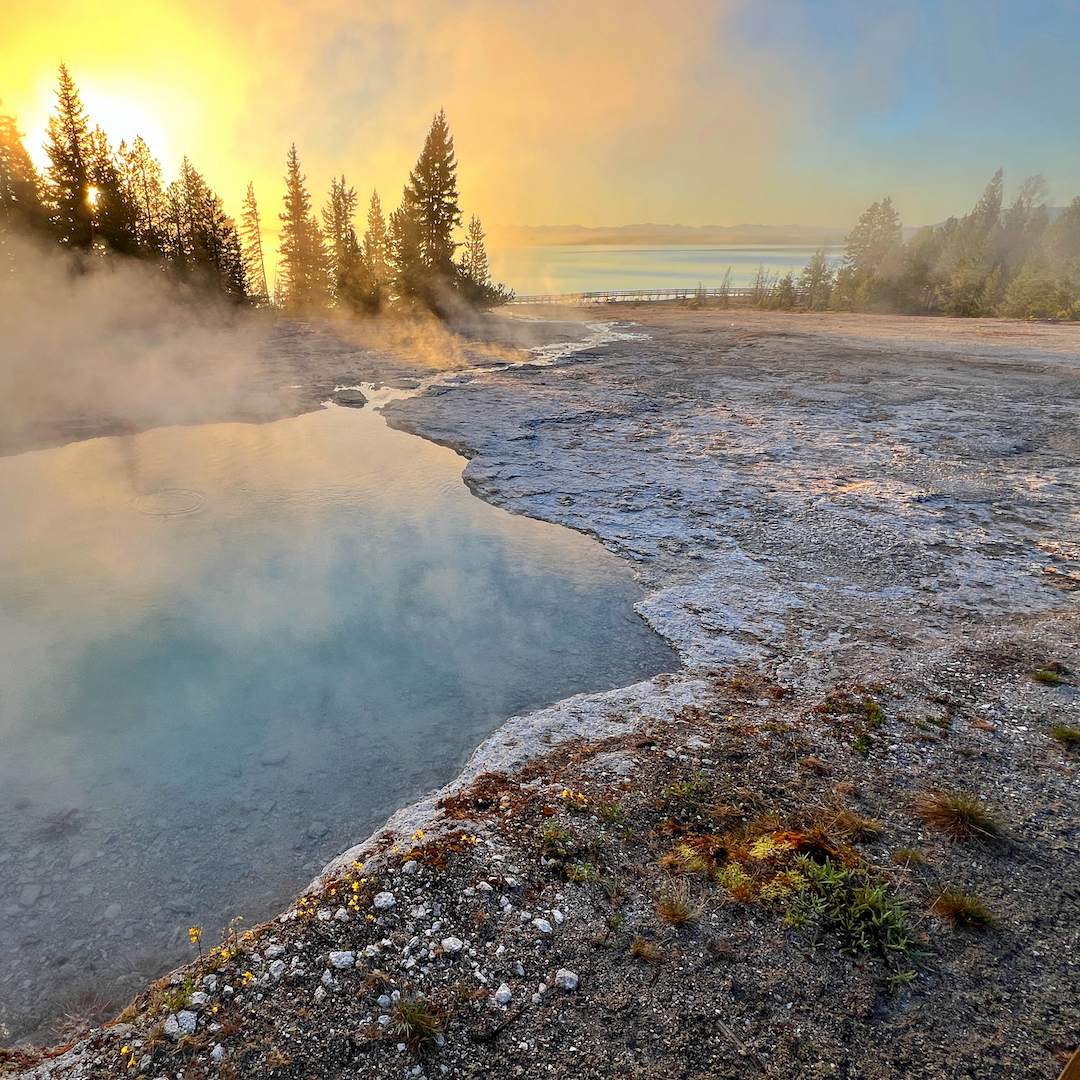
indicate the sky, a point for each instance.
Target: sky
{"x":601,"y":113}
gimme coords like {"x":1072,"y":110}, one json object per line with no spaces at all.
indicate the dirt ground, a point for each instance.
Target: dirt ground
{"x":861,"y":534}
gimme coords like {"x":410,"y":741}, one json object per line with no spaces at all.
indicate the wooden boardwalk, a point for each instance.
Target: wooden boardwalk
{"x":635,"y":296}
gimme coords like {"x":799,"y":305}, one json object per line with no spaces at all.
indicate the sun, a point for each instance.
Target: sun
{"x":123,"y":114}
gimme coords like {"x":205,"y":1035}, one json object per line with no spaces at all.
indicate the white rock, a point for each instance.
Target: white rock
{"x":519,"y":971}
{"x":341,"y":915}
{"x":558,"y":916}
{"x":172,"y":1026}
{"x":187,"y":1021}
{"x":320,"y":993}
{"x":273,"y":952}
{"x":542,"y":925}
{"x":452,"y":944}
{"x":210,"y":982}
{"x":384,"y":1001}
{"x":198,"y":1000}
{"x":483,"y":886}
{"x":504,"y":995}
{"x":384,"y":901}
{"x":410,"y":867}
{"x":565,"y":979}
{"x":218,"y":1052}
{"x":372,"y":950}
{"x":342,"y":960}
{"x":328,"y":980}
{"x":384,"y":1020}
{"x":277,"y":969}
{"x":324,"y":914}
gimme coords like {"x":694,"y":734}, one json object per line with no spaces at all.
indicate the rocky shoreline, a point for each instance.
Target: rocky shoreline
{"x":861,"y":536}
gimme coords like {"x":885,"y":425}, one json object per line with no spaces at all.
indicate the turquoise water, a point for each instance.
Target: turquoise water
{"x":574,"y":268}
{"x":228,"y":652}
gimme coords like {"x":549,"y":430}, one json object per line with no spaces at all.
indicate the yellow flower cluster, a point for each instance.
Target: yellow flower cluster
{"x":467,"y":839}
{"x":124,"y":1052}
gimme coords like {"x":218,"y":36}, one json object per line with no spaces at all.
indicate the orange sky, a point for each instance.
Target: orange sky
{"x":614,"y":111}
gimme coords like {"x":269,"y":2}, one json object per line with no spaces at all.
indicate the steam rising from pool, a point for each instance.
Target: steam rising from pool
{"x":228,"y":652}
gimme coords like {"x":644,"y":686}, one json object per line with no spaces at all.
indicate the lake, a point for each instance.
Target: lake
{"x":228,"y":652}
{"x":584,"y":268}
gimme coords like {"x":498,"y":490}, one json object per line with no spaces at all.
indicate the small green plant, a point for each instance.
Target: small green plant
{"x":862,"y":743}
{"x":415,"y":1021}
{"x":177,"y":997}
{"x":1049,"y":676}
{"x":674,"y":904}
{"x":1069,"y":737}
{"x":857,"y":906}
{"x":961,"y":815}
{"x":611,"y":813}
{"x":691,"y":788}
{"x":555,"y":837}
{"x":579,"y":873}
{"x":962,"y":910}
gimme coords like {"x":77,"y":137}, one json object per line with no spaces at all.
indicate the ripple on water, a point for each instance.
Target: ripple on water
{"x":169,"y":502}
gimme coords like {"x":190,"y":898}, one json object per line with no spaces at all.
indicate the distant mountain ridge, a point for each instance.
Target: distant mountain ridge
{"x":650,"y":233}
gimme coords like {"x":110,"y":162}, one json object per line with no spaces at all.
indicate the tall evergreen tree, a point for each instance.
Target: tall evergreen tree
{"x":302,"y":270}
{"x":251,"y":241}
{"x":815,"y":282}
{"x":474,"y":260}
{"x":114,"y":212}
{"x":20,"y":190}
{"x":141,"y":176}
{"x":375,"y":242}
{"x":67,"y":179}
{"x":432,"y":198}
{"x":347,"y":271}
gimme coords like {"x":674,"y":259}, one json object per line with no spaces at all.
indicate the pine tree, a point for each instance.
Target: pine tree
{"x":20,"y":191}
{"x":474,"y":261}
{"x":141,"y":176}
{"x":303,"y":258}
{"x":341,"y":239}
{"x":376,"y":252}
{"x":431,"y":196}
{"x":251,"y":238}
{"x":815,"y":282}
{"x":67,"y":180}
{"x":114,"y":213}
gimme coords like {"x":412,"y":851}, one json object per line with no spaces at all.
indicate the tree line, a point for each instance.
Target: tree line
{"x":93,"y":199}
{"x":1017,"y":261}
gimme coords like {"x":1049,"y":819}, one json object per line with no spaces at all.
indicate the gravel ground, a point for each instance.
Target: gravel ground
{"x":861,"y":535}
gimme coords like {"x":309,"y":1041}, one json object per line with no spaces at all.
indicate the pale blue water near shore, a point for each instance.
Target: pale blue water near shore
{"x":584,"y":268}
{"x":231,"y":650}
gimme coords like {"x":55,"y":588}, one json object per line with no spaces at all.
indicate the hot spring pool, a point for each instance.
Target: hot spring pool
{"x":228,"y":652}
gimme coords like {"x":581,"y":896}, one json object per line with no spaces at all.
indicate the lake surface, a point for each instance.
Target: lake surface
{"x":228,"y":652}
{"x":583,"y":268}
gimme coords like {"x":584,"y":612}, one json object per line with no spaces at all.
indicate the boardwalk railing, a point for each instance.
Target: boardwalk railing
{"x":622,"y":296}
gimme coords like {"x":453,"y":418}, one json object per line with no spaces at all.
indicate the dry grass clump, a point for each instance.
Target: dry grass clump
{"x":1051,"y":675}
{"x":674,"y":904}
{"x":962,"y":910}
{"x":88,"y":1009}
{"x":962,"y":815}
{"x":415,"y":1021}
{"x":908,"y":856}
{"x":644,"y":949}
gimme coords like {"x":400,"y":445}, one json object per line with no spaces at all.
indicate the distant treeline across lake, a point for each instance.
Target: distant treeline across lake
{"x":583,"y":268}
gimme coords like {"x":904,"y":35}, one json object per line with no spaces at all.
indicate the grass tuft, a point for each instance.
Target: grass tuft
{"x":675,"y":906}
{"x":415,"y":1021}
{"x":962,"y":910}
{"x":962,"y":815}
{"x":908,"y":856}
{"x":1049,"y":676}
{"x":1069,"y":737}
{"x":644,"y":949}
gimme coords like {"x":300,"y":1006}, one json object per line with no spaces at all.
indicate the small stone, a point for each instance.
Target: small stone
{"x":504,"y":995}
{"x":273,"y":952}
{"x":277,"y":969}
{"x":172,"y":1026}
{"x":198,"y":1000}
{"x":452,"y":944}
{"x":372,"y":950}
{"x":342,"y":960}
{"x":536,"y":999}
{"x":210,"y":982}
{"x":519,"y":971}
{"x":217,"y":1053}
{"x":384,"y":1001}
{"x":227,"y":990}
{"x":384,"y":901}
{"x":525,"y":916}
{"x":542,"y":925}
{"x":324,"y":914}
{"x":187,"y":1021}
{"x":384,"y":1020}
{"x":567,"y":980}
{"x":327,"y":979}
{"x":483,"y":886}
{"x":30,"y":893}
{"x":558,"y":916}
{"x":341,"y":915}
{"x":320,"y":993}
{"x":410,"y":867}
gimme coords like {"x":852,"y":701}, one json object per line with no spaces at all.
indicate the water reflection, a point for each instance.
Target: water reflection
{"x":233,"y":649}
